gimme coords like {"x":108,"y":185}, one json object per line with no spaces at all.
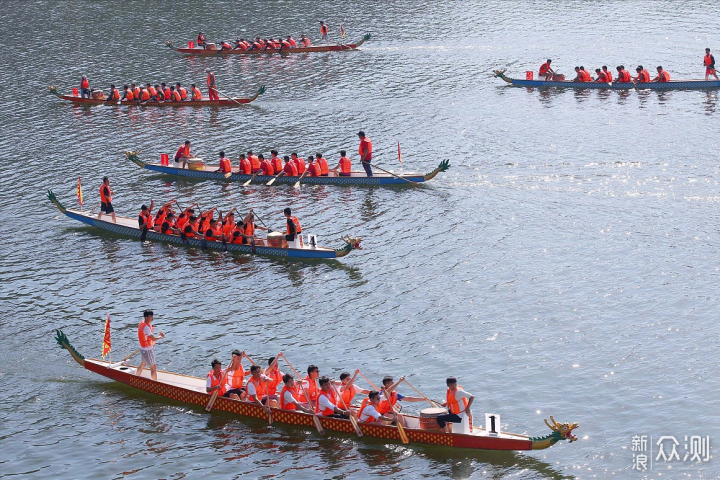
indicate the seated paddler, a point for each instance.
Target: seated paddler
{"x":368,"y":411}
{"x":328,"y":401}
{"x":289,"y":395}
{"x":215,"y":378}
{"x":257,"y":389}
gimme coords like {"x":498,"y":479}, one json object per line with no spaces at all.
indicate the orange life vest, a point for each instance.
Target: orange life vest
{"x":602,"y":78}
{"x":300,"y":164}
{"x":183,"y":151}
{"x":260,"y":388}
{"x":129,"y":95}
{"x":145,"y":95}
{"x":664,"y":76}
{"x":306,"y":42}
{"x":365,"y":403}
{"x":196,"y":94}
{"x":330,"y":395}
{"x":384,"y":407}
{"x":323,"y":166}
{"x":624,"y":76}
{"x":275,"y":380}
{"x":136,"y":92}
{"x":345,"y":164}
{"x":183,"y":93}
{"x":211,"y":80}
{"x":298,"y":228}
{"x":291,"y":169}
{"x":544,"y":68}
{"x":608,"y":76}
{"x":644,"y":76}
{"x":236,"y":378}
{"x":189,"y":231}
{"x":145,"y":342}
{"x":105,"y":198}
{"x":254,"y":163}
{"x":453,"y":404}
{"x":152,"y":91}
{"x":114,"y":94}
{"x":176,"y":96}
{"x":277,"y":164}
{"x":200,"y":39}
{"x":314,"y":168}
{"x":365,"y":148}
{"x":225,"y":165}
{"x":312,"y":390}
{"x":323,"y":30}
{"x":215,"y":381}
{"x":228,"y":227}
{"x":707,"y":61}
{"x":86,"y":84}
{"x":288,"y":406}
{"x":267,"y":167}
{"x":147,"y":219}
{"x":292,"y":42}
{"x":166,"y":93}
{"x":249,"y":229}
{"x":348,"y":394}
{"x":245,"y":167}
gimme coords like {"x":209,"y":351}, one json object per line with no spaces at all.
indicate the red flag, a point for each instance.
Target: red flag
{"x":342,"y":31}
{"x":106,"y":338}
{"x":79,"y":193}
{"x":399,"y":154}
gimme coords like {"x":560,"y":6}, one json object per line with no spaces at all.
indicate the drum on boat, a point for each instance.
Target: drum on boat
{"x":428,"y":418}
{"x":196,"y":164}
{"x":277,"y":240}
{"x":98,"y":94}
{"x":210,"y":46}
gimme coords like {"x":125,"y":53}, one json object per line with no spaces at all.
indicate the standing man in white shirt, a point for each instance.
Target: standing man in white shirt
{"x":147,"y":339}
{"x":458,"y":402}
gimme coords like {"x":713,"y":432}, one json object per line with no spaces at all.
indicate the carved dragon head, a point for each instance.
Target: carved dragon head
{"x":354,"y":242}
{"x":499,"y":73}
{"x":562,"y":430}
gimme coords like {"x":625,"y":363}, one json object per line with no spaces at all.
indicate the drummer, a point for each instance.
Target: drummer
{"x":458,"y":402}
{"x":183,"y":154}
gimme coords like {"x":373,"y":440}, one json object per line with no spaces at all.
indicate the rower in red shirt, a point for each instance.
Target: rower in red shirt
{"x":225,"y":166}
{"x":546,"y":71}
{"x":265,"y":165}
{"x":245,"y":166}
{"x":299,"y":163}
{"x":254,"y":161}
{"x":322,"y":163}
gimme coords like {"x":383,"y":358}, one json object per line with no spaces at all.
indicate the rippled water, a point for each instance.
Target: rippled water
{"x":566,"y":265}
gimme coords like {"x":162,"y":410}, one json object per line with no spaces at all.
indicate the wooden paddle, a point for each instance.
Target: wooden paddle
{"x":113,"y":365}
{"x":214,"y":396}
{"x":227,"y":96}
{"x":252,"y":178}
{"x":391,"y":173}
{"x":403,"y":436}
{"x":423,"y":396}
{"x":318,"y":425}
{"x":297,"y":184}
{"x":355,"y":425}
{"x":272,"y":180}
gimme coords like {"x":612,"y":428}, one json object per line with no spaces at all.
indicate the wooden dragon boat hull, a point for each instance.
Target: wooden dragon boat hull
{"x":128,"y":227}
{"x":356,"y":178}
{"x":191,"y":390}
{"x":223,"y":102}
{"x":269,"y":51}
{"x":672,"y":85}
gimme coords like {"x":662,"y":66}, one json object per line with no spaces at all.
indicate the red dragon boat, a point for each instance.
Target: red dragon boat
{"x":223,"y":102}
{"x":211,"y":50}
{"x":191,"y":390}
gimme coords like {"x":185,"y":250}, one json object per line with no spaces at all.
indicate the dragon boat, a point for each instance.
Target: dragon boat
{"x":671,"y":85}
{"x":191,"y":390}
{"x":213,"y":51}
{"x":208,"y":172}
{"x":129,"y":227}
{"x":223,"y":102}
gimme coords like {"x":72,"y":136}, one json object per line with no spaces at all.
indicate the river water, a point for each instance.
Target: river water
{"x":566,"y":265}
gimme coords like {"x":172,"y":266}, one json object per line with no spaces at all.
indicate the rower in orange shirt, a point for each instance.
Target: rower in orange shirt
{"x":601,"y":76}
{"x":344,"y":165}
{"x":265,"y":165}
{"x":225,"y":166}
{"x":276,"y":161}
{"x":254,"y":161}
{"x":643,"y":75}
{"x":245,"y":165}
{"x":663,"y":76}
{"x":709,"y":62}
{"x":299,"y":163}
{"x":546,"y":71}
{"x":608,"y":74}
{"x":322,"y":163}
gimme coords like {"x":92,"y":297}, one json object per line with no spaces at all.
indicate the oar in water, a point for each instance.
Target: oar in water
{"x":272,"y":180}
{"x":403,"y":436}
{"x":214,"y":396}
{"x":318,"y":425}
{"x":394,"y":175}
{"x":297,"y":184}
{"x":355,"y":425}
{"x":251,"y":178}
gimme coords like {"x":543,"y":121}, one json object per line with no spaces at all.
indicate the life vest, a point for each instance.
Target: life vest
{"x":165,"y":227}
{"x":228,"y":227}
{"x":114,"y":94}
{"x":129,"y":95}
{"x":189,"y":232}
{"x":184,"y":150}
{"x":215,"y":381}
{"x":384,"y":407}
{"x":345,"y":164}
{"x":285,"y":44}
{"x":312,"y":390}
{"x":166,"y":93}
{"x":453,"y":404}
{"x":249,"y":229}
{"x":225,"y":46}
{"x":292,"y":42}
{"x":257,"y":45}
{"x":348,"y":394}
{"x":275,"y":380}
{"x":225,"y":165}
{"x":217,"y":230}
{"x":145,"y":95}
{"x":160,"y":95}
{"x":236,"y":378}
{"x":624,"y":76}
{"x":300,"y":164}
{"x":585,"y":76}
{"x":209,"y":234}
{"x":323,"y":166}
{"x":330,"y":395}
{"x":136,"y":92}
{"x":306,"y":42}
{"x":254,"y":163}
{"x":200,"y":39}
{"x":205,"y":222}
{"x":145,"y":342}
{"x":211,"y":80}
{"x":153,"y":92}
{"x":182,"y":221}
{"x":183,"y":93}
{"x":245,"y":167}
{"x":365,"y":403}
{"x":176,"y":96}
{"x":314,"y":169}
{"x":237,"y":239}
{"x":267,"y":167}
{"x":707,"y":61}
{"x":147,"y":219}
{"x":85,"y":83}
{"x":323,"y":30}
{"x":298,"y":228}
{"x":260,"y":388}
{"x":277,"y":164}
{"x":544,"y":68}
{"x":288,"y":406}
{"x":290,"y":169}
{"x":196,"y":94}
{"x":644,"y":76}
{"x":608,"y":76}
{"x":160,"y":218}
{"x":105,"y":198}
{"x":367,"y":144}
{"x":602,"y":78}
{"x":664,"y":76}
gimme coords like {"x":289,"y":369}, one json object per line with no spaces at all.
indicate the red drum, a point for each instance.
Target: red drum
{"x":428,"y":418}
{"x":98,"y":94}
{"x":277,"y":240}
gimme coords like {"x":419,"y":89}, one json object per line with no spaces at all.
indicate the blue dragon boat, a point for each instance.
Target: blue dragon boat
{"x":671,"y":85}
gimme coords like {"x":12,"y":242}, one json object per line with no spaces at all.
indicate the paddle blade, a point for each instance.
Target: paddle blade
{"x":228,"y":174}
{"x":143,"y":235}
{"x":403,"y":436}
{"x":270,"y":419}
{"x":248,"y":182}
{"x":211,"y":402}
{"x":272,"y":180}
{"x":318,"y":425}
{"x":297,"y":184}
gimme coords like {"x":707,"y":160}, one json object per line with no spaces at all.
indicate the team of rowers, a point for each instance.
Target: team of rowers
{"x":267,"y":43}
{"x":153,"y":93}
{"x":604,"y":75}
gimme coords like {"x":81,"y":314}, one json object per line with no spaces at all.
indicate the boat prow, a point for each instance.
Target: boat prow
{"x":209,"y":172}
{"x":191,"y":390}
